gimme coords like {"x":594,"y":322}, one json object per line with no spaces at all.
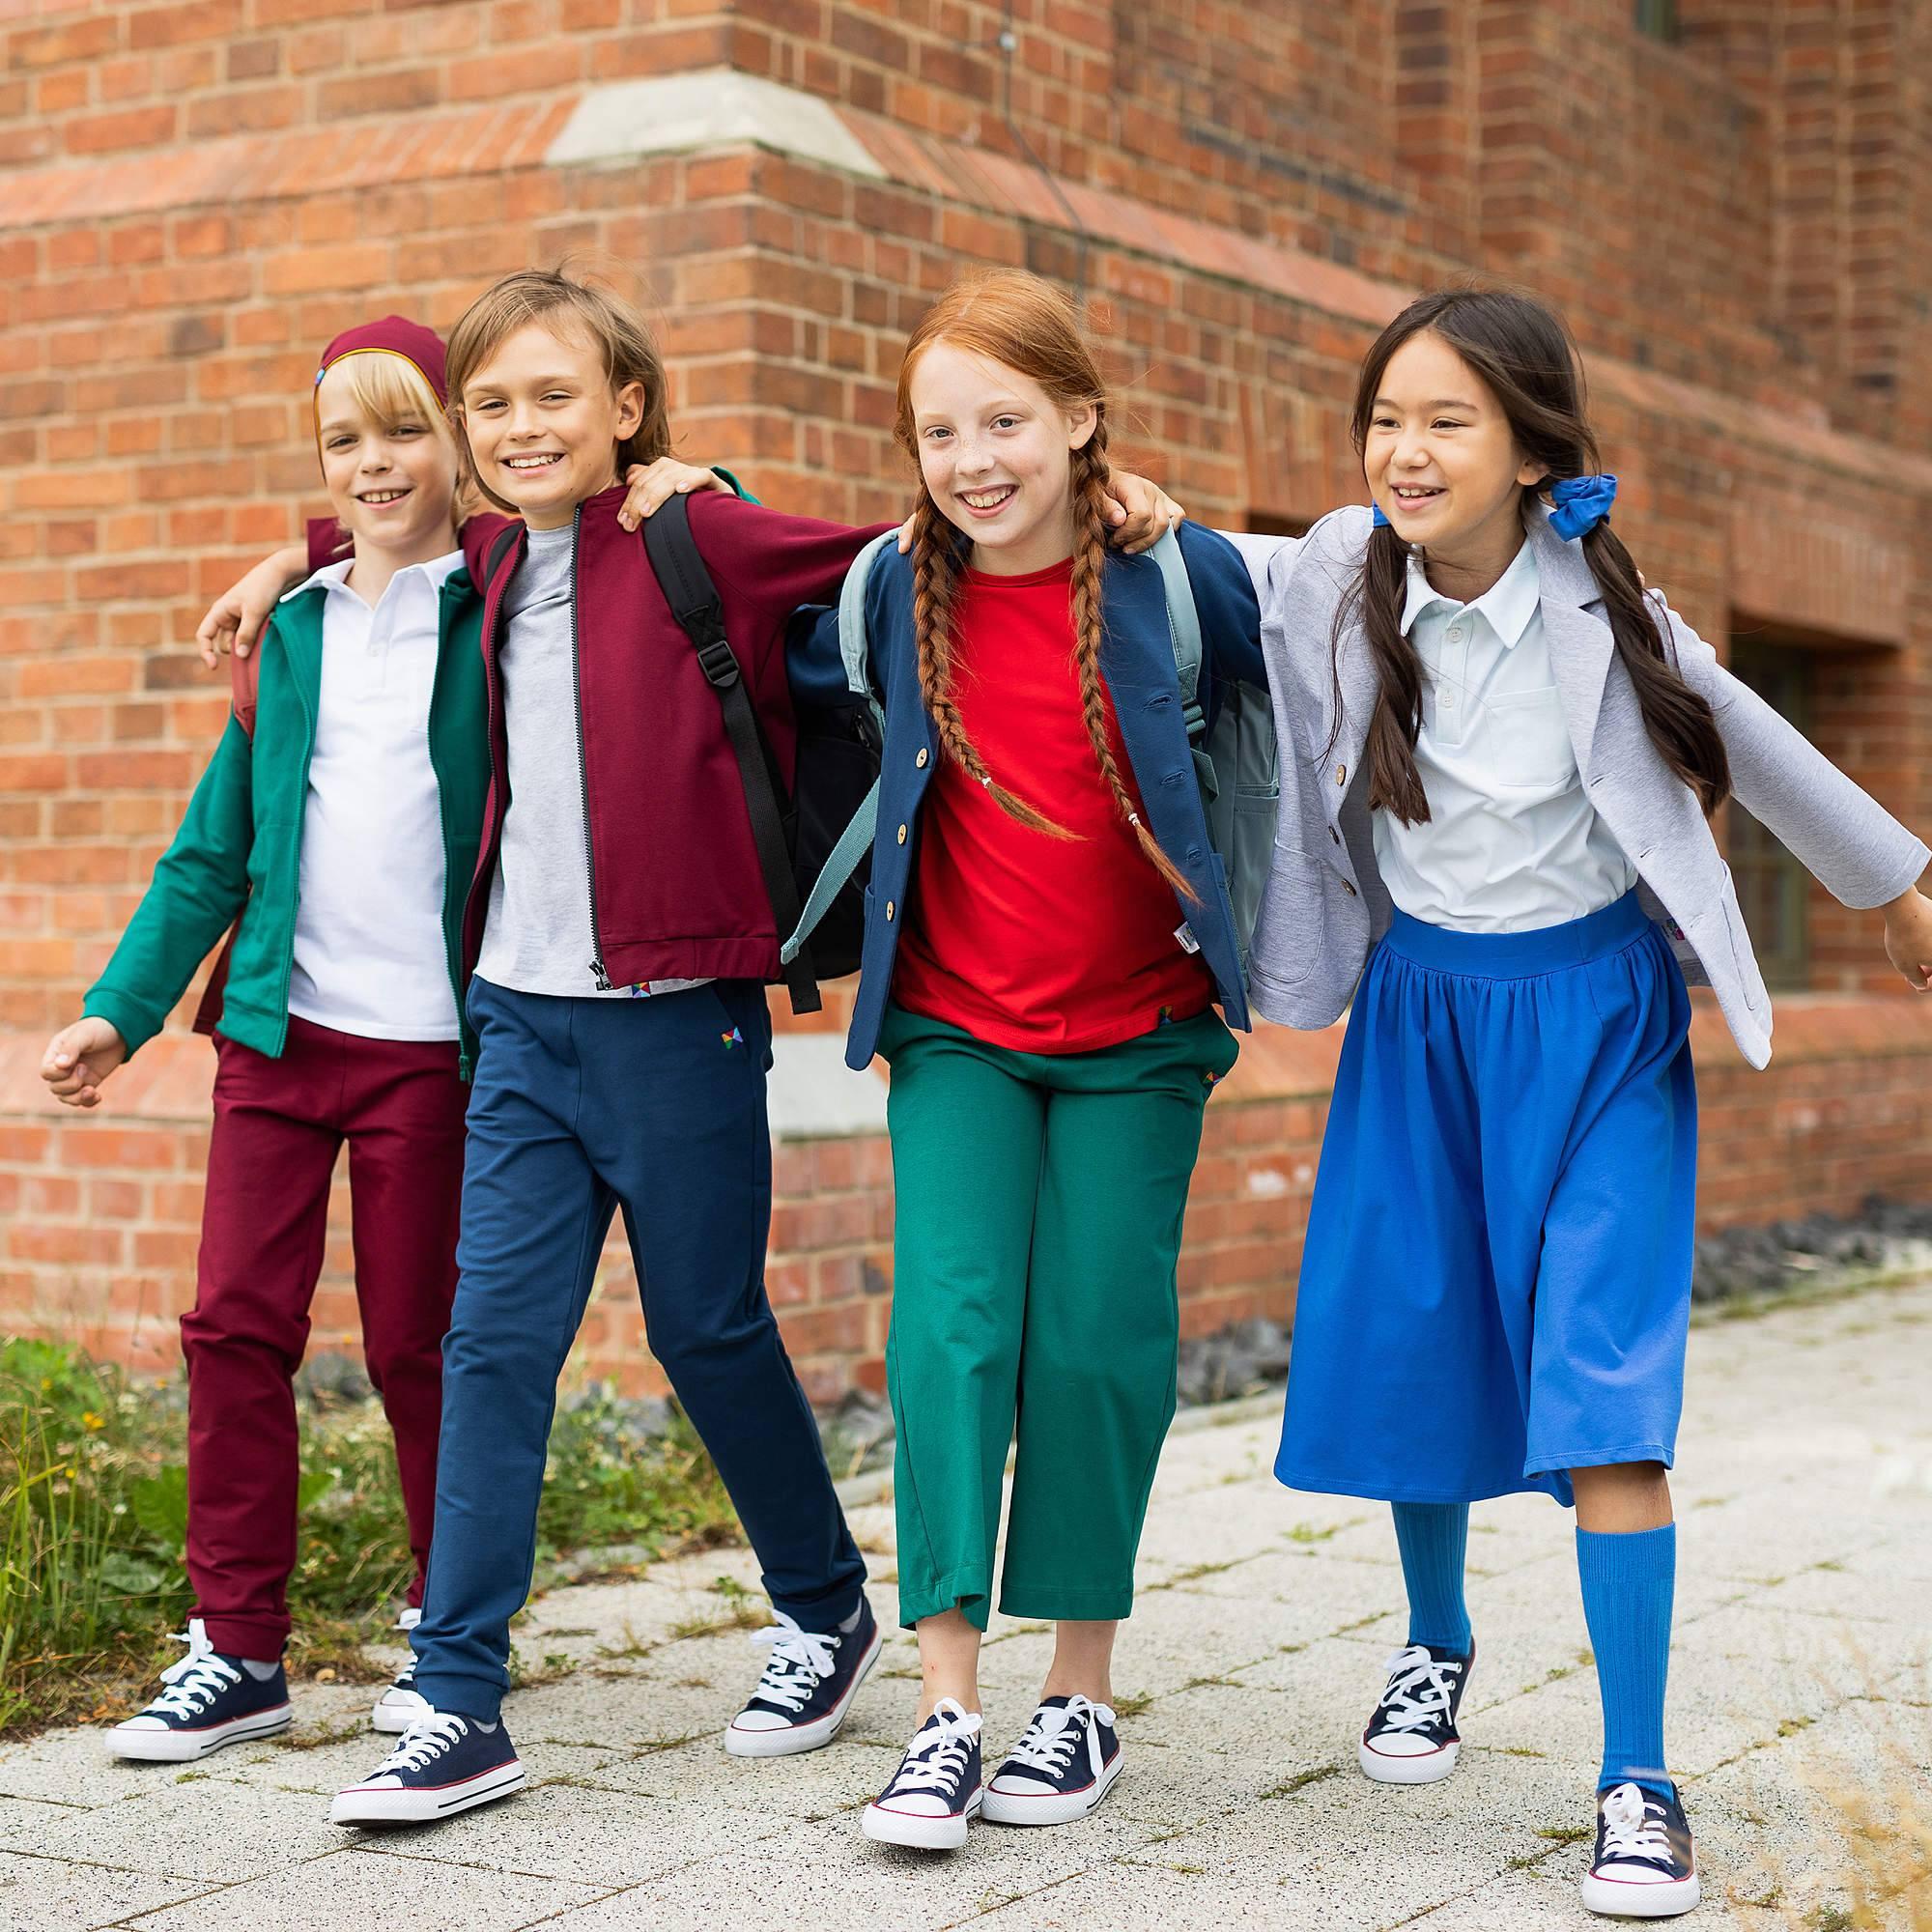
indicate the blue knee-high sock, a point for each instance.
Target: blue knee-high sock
{"x":1629,"y":1581}
{"x":1433,"y":1539}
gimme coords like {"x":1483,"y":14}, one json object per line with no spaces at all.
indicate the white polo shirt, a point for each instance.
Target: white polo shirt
{"x":369,"y":953}
{"x":1513,"y":842}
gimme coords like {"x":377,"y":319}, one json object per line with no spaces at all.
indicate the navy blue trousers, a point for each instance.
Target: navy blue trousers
{"x":580,"y":1108}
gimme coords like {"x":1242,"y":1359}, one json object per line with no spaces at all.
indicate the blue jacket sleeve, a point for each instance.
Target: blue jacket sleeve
{"x":814,"y":662}
{"x":1224,"y":596}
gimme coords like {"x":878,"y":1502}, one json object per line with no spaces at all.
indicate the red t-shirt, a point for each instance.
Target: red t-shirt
{"x":1040,"y":944}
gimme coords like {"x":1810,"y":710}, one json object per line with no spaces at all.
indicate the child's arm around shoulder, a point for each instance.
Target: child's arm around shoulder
{"x":767,"y":564}
{"x":816,"y":648}
{"x":1226,"y":576}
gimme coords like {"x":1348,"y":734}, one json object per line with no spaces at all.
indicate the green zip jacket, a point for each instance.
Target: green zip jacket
{"x":239,"y":851}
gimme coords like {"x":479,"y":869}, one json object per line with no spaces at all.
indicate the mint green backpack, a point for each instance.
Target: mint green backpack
{"x":1235,"y":761}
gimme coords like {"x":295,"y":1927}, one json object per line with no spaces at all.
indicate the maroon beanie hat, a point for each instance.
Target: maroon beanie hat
{"x":395,"y":335}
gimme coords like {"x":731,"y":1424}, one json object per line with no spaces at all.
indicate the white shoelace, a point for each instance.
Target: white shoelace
{"x":801,"y":1660}
{"x":1418,"y":1690}
{"x":937,"y":1756}
{"x":1634,"y":1827}
{"x":1055,"y":1734}
{"x":423,"y":1742}
{"x":194,"y":1681}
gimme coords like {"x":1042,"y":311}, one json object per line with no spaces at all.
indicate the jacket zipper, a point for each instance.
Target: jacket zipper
{"x":597,"y":970}
{"x":452,"y":961}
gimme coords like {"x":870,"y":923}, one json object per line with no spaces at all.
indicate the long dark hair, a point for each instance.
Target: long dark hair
{"x":1521,"y":350}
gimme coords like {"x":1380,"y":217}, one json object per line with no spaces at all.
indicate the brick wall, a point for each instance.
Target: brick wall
{"x":194,"y":196}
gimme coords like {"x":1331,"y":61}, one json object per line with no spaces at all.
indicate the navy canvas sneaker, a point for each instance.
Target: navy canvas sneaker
{"x":1060,"y":1769}
{"x":211,"y":1700}
{"x":443,"y":1765}
{"x":1412,"y":1739}
{"x":1644,"y":1867}
{"x":807,"y":1686}
{"x":401,"y":1703}
{"x":935,"y":1793}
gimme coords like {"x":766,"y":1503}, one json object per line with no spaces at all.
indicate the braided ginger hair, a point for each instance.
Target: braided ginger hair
{"x":1026,"y":324}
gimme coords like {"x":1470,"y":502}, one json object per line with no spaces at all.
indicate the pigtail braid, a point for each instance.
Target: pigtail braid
{"x":1090,"y":552}
{"x":1388,"y":750}
{"x":935,"y":571}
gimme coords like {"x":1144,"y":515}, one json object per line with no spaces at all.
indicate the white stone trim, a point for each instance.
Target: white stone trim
{"x":716,"y":108}
{"x":813,"y":1094}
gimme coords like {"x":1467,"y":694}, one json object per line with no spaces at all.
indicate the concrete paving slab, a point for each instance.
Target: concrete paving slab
{"x":1801,"y":1699}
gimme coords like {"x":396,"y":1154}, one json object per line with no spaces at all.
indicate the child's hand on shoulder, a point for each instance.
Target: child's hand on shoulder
{"x":236,"y":617}
{"x":1140,"y":512}
{"x":79,"y":1058}
{"x":1908,"y":938}
{"x":654,"y":484}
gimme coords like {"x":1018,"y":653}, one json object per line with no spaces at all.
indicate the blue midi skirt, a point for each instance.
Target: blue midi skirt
{"x":1496,"y":1287}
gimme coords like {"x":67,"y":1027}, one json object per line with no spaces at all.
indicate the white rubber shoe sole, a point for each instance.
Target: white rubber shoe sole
{"x":162,"y":1747}
{"x":384,"y":1804}
{"x":1386,"y":1768}
{"x":1640,"y":1898}
{"x":1014,"y":1807}
{"x":788,"y":1740}
{"x":394,"y":1713}
{"x":921,"y":1832}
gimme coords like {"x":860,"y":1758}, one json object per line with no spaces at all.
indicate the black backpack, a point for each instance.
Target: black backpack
{"x":837,"y":766}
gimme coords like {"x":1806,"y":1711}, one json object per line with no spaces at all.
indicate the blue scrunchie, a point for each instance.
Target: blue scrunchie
{"x":1377,"y":519}
{"x":1583,"y":502}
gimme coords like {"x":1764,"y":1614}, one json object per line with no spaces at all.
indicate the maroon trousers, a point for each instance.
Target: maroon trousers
{"x":279,"y":1125}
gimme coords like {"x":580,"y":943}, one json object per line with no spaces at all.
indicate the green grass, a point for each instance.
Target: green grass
{"x":93,"y":1514}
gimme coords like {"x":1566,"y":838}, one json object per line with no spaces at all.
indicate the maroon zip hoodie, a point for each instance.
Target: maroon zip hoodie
{"x":675,"y":887}
{"x":676,"y":891}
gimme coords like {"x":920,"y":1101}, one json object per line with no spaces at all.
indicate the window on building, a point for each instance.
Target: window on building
{"x":1773,"y":890}
{"x":1658,"y":18}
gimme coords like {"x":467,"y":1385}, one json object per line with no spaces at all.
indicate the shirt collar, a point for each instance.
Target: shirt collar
{"x":334,"y":575}
{"x":1507,"y":605}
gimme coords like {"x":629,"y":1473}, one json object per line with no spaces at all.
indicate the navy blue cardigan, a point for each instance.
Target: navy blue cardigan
{"x":1137,"y":661}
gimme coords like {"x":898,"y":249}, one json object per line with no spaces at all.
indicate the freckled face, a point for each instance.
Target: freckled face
{"x":996,"y":452}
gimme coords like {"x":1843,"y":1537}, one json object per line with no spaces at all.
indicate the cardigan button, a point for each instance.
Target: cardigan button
{"x":1341,"y":773}
{"x":889,"y":908}
{"x":921,"y":760}
{"x":1346,"y":887}
{"x":902,"y":832}
{"x":1334,"y":834}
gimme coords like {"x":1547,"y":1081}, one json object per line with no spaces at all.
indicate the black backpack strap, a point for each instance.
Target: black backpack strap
{"x":504,"y":539}
{"x":695,"y":603}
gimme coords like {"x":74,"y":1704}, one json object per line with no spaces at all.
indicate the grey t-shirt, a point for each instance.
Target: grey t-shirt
{"x":537,"y":937}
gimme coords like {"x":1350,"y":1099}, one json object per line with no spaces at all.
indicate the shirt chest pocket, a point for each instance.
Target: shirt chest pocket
{"x":1526,"y":740}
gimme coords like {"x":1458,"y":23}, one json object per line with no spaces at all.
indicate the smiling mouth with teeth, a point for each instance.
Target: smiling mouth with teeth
{"x":987,"y":500}
{"x":380,"y":496}
{"x":542,"y":461}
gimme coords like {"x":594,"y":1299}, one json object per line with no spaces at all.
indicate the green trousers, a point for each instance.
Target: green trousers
{"x":1040,"y":1199}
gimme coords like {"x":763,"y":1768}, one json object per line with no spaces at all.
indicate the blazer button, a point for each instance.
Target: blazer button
{"x":921,"y":760}
{"x":1341,"y":773}
{"x":889,"y":908}
{"x":902,"y":832}
{"x":1334,"y":834}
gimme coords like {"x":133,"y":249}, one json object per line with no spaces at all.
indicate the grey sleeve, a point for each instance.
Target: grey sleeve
{"x":1854,"y":848}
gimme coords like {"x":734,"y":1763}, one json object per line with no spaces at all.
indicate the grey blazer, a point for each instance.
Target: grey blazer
{"x":1325,"y":903}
